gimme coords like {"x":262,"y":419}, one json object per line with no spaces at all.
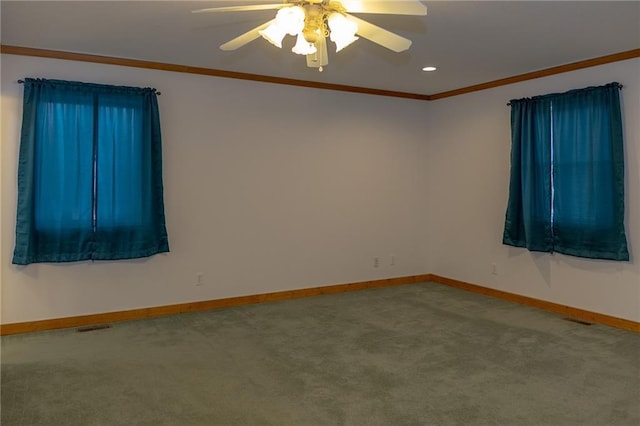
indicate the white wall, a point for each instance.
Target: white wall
{"x":471,"y":143}
{"x":267,"y":188}
{"x":270,"y":187}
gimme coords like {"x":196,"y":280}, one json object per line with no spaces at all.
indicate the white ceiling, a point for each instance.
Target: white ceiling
{"x":470,"y":42}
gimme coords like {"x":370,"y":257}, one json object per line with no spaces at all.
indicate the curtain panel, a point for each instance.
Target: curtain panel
{"x":566,"y":191}
{"x":89,"y":173}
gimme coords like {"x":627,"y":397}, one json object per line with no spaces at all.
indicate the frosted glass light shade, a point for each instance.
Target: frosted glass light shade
{"x":343,"y":31}
{"x":303,"y":47}
{"x":343,"y":42}
{"x":273,"y":34}
{"x":291,"y":19}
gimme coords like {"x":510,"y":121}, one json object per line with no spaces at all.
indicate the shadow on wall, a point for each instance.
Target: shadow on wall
{"x":630,"y":155}
{"x":541,"y":260}
{"x":544,"y":262}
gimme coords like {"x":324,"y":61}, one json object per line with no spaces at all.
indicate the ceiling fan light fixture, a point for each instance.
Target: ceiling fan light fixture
{"x":303,"y":47}
{"x":313,"y":21}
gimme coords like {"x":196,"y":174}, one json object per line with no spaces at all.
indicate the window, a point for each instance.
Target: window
{"x":89,"y":174}
{"x":566,"y":192}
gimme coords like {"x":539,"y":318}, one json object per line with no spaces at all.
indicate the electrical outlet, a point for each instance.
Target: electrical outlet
{"x":199,"y":279}
{"x":376,"y":262}
{"x":392,"y":261}
{"x":494,"y":268}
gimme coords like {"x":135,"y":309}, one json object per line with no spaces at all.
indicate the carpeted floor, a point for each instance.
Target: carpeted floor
{"x":421,"y":354}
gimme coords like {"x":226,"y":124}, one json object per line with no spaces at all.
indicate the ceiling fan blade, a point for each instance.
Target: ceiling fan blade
{"x":245,"y":38}
{"x":404,"y":7}
{"x":241,"y":8}
{"x":380,"y":36}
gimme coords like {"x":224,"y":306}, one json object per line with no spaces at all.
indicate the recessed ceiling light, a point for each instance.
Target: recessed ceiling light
{"x":429,"y":69}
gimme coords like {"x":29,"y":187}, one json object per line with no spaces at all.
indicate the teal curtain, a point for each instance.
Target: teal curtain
{"x":566,"y":192}
{"x":528,"y":219}
{"x":89,"y":173}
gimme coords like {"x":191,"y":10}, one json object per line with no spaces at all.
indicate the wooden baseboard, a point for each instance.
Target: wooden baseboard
{"x":86,"y":320}
{"x":133,"y":314}
{"x":576,"y":313}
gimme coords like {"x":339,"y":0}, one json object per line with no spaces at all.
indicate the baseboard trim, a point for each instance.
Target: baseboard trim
{"x":133,"y":314}
{"x":576,"y":313}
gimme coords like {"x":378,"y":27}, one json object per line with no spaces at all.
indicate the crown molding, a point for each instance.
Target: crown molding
{"x":615,"y":57}
{"x":135,"y":63}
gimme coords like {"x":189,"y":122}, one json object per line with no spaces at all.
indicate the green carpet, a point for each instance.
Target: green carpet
{"x":421,"y":354}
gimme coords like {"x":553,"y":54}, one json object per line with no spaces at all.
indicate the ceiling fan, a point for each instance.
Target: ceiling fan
{"x":312,"y":21}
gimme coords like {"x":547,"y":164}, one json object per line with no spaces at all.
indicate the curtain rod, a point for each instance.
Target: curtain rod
{"x":620,"y":86}
{"x":22,"y":81}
